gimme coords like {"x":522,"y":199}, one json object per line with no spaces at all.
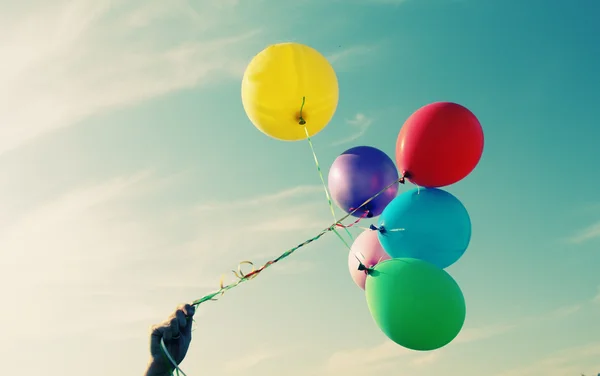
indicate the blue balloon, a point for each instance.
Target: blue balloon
{"x":427,"y":224}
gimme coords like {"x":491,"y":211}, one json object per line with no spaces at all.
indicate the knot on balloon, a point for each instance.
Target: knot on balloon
{"x":405,"y":175}
{"x":363,"y":267}
{"x":301,"y":120}
{"x":381,"y":229}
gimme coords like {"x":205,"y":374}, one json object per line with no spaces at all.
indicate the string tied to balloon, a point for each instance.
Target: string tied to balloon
{"x":383,"y":230}
{"x":367,"y":213}
{"x":302,"y":122}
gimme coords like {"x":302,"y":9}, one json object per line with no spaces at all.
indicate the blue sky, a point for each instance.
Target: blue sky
{"x":131,"y":179}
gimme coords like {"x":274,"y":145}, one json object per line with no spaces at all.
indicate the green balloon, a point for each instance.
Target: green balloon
{"x":416,"y":304}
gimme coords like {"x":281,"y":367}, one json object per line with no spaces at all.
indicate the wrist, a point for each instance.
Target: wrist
{"x":155,"y":369}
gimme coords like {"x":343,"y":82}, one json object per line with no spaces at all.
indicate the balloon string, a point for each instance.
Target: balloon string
{"x":170,"y":359}
{"x":378,"y":229}
{"x":242,"y":277}
{"x":363,"y":216}
{"x":302,"y":122}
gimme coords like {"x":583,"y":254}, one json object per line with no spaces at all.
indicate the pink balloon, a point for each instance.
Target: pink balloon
{"x":369,"y":251}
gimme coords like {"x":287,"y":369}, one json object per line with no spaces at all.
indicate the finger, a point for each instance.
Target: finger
{"x":157,"y":331}
{"x":189,"y":310}
{"x":174,"y":327}
{"x":156,"y":334}
{"x":181,"y":319}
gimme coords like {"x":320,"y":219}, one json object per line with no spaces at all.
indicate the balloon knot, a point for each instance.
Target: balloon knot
{"x":381,"y":229}
{"x":364,"y":268}
{"x":405,"y":175}
{"x":301,"y":120}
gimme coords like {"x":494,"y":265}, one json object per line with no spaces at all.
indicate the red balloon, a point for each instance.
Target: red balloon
{"x":439,"y":145}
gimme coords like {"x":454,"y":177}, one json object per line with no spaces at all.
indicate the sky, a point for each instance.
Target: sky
{"x":131,"y":180}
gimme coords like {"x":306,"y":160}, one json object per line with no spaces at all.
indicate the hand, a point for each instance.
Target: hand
{"x":176,"y":331}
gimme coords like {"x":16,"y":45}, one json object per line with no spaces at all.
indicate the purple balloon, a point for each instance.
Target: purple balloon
{"x":359,"y":174}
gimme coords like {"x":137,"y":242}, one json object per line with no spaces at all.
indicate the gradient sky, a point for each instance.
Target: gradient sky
{"x":131,"y":180}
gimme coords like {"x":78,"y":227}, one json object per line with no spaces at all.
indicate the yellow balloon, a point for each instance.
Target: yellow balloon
{"x":276,"y":84}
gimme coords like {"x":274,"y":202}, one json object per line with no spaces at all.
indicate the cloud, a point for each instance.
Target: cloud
{"x":247,"y":362}
{"x":364,"y":359}
{"x":349,"y":52}
{"x":68,"y":60}
{"x":299,"y":191}
{"x":359,"y":125}
{"x":295,"y":267}
{"x":377,"y":359}
{"x":596,"y":298}
{"x":472,"y":334}
{"x":353,"y":57}
{"x":93,"y":248}
{"x":380,"y":357}
{"x":570,"y":361}
{"x":63,"y":248}
{"x":426,"y":359}
{"x":560,"y":313}
{"x":305,"y":209}
{"x":476,"y":334}
{"x":589,"y":233}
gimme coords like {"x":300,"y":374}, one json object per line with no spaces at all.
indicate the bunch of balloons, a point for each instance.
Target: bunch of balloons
{"x":290,"y":92}
{"x":400,"y":262}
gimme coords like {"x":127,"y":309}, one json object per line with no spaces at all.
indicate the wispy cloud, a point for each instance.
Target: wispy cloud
{"x":304,"y":211}
{"x":570,"y":361}
{"x":358,"y":127}
{"x":72,"y":59}
{"x":250,"y":361}
{"x":472,"y":334}
{"x":561,"y":312}
{"x":377,"y":359}
{"x":361,"y":360}
{"x":428,"y":358}
{"x":348,"y":58}
{"x":63,"y":248}
{"x":479,"y":333}
{"x":295,"y":267}
{"x":93,"y":246}
{"x":348,"y":52}
{"x":291,"y":193}
{"x":365,"y":359}
{"x":587,"y":234}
